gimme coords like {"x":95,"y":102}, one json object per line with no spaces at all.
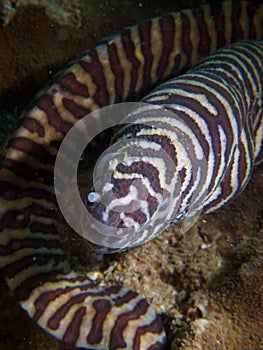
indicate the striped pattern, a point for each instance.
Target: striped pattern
{"x":121,"y":68}
{"x":194,"y":158}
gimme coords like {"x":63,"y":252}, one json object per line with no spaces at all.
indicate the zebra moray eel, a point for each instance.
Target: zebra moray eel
{"x":120,"y":68}
{"x":211,"y":129}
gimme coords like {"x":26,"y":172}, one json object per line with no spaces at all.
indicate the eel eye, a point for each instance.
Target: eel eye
{"x":163,"y":206}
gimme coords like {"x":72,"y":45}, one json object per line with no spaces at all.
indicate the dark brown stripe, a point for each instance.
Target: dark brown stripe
{"x":145,"y":37}
{"x":72,"y":332}
{"x":46,"y":104}
{"x":30,"y":147}
{"x":155,"y":327}
{"x":121,"y":186}
{"x":130,"y":130}
{"x":108,"y":291}
{"x":186,"y":42}
{"x":237,"y":32}
{"x":167,"y":27}
{"x":189,"y":187}
{"x":60,"y":313}
{"x":36,"y":259}
{"x":218,"y":16}
{"x":16,"y":219}
{"x":126,"y":298}
{"x":95,"y":69}
{"x":147,"y":170}
{"x":43,"y":228}
{"x":23,"y":291}
{"x":102,"y":308}
{"x":205,"y":40}
{"x":166,"y":144}
{"x":130,"y":53}
{"x":117,"y":70}
{"x":34,"y":126}
{"x":226,"y":190}
{"x":18,"y":244}
{"x":243,"y":162}
{"x":251,"y":9}
{"x":69,"y":83}
{"x":176,"y":65}
{"x":76,"y":110}
{"x":25,"y":171}
{"x":55,"y":144}
{"x":11,"y":192}
{"x":116,"y":336}
{"x":138,"y":215}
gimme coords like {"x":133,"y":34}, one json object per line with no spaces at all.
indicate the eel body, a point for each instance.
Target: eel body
{"x":192,"y":149}
{"x":121,"y":68}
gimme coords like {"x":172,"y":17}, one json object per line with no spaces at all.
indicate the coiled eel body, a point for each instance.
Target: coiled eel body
{"x":121,"y":68}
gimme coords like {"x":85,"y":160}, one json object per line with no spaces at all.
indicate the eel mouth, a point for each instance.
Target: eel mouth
{"x":74,"y":243}
{"x":68,"y":234}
